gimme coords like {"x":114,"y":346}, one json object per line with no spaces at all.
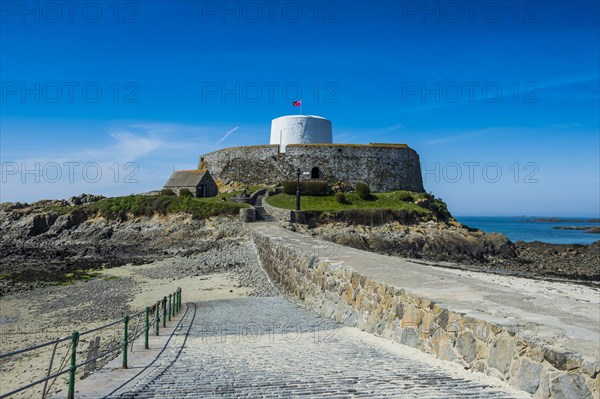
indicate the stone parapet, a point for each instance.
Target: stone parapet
{"x":322,"y":277}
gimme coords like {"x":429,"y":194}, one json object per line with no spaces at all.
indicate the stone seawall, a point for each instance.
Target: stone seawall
{"x":384,"y":167}
{"x":308,"y":274}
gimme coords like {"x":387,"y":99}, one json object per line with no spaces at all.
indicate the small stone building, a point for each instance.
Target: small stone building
{"x":199,"y":182}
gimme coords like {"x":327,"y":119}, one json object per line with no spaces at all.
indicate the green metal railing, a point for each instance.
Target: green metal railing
{"x":174,"y":306}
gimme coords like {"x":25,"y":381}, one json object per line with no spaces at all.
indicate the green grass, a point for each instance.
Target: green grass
{"x":78,"y":275}
{"x":144,"y":205}
{"x":140,"y":205}
{"x":149,"y":205}
{"x":53,"y":277}
{"x":388,"y":200}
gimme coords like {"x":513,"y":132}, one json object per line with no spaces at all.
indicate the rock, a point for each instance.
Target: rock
{"x":66,"y":222}
{"x":466,"y":346}
{"x":528,"y":376}
{"x":40,"y":223}
{"x":84,"y":199}
{"x":410,"y":336}
{"x":445,"y":351}
{"x":569,"y":386}
{"x":561,"y":360}
{"x":423,"y":203}
{"x":442,"y":319}
{"x":590,"y":368}
{"x":501,"y":353}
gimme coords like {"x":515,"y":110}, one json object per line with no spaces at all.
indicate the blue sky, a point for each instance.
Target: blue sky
{"x":500,"y":99}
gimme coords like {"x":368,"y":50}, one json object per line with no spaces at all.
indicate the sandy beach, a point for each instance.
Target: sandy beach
{"x":45,"y":314}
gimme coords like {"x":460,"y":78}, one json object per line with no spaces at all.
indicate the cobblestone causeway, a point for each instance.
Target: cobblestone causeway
{"x":271,"y":348}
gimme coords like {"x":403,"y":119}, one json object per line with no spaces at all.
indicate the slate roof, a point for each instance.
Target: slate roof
{"x":185,"y":178}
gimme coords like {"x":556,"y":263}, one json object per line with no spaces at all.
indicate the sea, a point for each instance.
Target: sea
{"x":524,"y":228}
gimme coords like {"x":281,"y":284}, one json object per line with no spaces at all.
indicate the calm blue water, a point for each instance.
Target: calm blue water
{"x":515,"y":229}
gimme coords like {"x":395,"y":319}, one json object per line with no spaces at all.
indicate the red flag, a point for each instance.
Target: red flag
{"x":297,"y":103}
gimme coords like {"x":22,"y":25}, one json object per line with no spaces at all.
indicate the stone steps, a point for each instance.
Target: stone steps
{"x":261,"y":213}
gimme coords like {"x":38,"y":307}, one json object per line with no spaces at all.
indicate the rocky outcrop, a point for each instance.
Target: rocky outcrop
{"x":564,"y":261}
{"x":432,"y":241}
{"x":82,"y":199}
{"x":454,"y":245}
{"x":39,"y":246}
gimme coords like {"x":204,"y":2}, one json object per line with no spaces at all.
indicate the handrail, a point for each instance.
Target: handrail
{"x":31,"y":348}
{"x":6,"y":395}
{"x":114,"y":323}
{"x":128,"y":338}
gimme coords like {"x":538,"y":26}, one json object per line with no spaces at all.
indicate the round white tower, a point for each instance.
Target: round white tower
{"x":300,"y":129}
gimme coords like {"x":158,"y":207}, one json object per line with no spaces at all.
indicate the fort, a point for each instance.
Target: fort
{"x":304,"y":142}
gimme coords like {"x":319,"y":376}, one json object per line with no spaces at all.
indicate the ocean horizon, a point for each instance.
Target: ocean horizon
{"x":535,"y":228}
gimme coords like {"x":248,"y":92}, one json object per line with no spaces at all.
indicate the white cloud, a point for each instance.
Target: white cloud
{"x":463,"y":136}
{"x":227,"y":134}
{"x":397,"y":126}
{"x":132,"y":157}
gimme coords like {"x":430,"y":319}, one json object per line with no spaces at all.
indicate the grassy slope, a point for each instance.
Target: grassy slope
{"x":388,"y":200}
{"x":138,"y":205}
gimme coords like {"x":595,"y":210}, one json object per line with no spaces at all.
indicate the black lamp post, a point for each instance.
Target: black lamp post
{"x":298,"y":190}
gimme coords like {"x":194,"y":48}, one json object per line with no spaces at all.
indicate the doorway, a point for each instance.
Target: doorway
{"x":314,"y":173}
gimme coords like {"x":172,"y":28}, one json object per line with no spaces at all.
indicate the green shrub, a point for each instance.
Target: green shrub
{"x":405,"y":196}
{"x":363,"y":190}
{"x":289,"y":187}
{"x":374,"y":216}
{"x":185,"y":192}
{"x":167,"y":191}
{"x":341,"y":198}
{"x":307,"y":187}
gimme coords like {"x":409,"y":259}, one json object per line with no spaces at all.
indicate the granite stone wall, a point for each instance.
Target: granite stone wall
{"x":384,"y":167}
{"x":340,"y":293}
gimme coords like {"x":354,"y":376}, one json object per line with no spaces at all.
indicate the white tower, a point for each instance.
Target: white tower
{"x":300,"y":129}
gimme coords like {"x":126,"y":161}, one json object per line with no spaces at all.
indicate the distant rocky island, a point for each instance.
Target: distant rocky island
{"x":559,"y":220}
{"x":590,"y":229}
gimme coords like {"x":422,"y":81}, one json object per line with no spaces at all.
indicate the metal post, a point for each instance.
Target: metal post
{"x":178,"y":299}
{"x":298,"y":190}
{"x":73,"y":368}
{"x":157,"y":317}
{"x":170,"y":310}
{"x":164,"y":311}
{"x":147,"y":330}
{"x":125,"y":333}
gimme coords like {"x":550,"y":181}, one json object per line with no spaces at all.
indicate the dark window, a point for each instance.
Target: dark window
{"x":314,"y":173}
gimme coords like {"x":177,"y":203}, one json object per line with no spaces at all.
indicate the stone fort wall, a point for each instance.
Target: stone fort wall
{"x":383,"y":166}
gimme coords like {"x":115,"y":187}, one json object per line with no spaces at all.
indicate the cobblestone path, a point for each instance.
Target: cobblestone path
{"x":271,"y":348}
